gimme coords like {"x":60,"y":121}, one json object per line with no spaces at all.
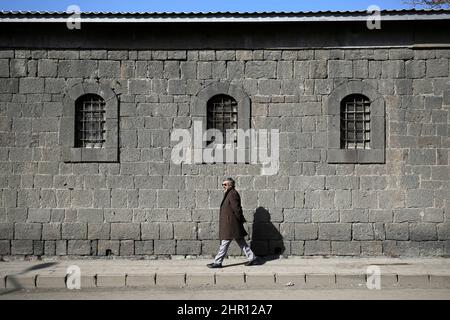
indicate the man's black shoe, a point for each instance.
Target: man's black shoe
{"x":214,"y":265}
{"x":252,"y":263}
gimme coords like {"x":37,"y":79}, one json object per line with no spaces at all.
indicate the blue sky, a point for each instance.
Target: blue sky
{"x":199,"y":5}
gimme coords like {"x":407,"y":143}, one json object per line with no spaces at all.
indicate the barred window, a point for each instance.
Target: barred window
{"x":355,"y":122}
{"x":222,"y":115}
{"x":90,"y":121}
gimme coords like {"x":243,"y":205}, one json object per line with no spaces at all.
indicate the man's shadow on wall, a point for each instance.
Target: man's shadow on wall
{"x":266,"y":241}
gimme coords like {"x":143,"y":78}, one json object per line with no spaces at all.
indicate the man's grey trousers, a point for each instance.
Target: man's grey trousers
{"x":225,"y":244}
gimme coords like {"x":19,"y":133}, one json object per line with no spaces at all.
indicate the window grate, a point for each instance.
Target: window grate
{"x":355,"y":122}
{"x":222,"y":115}
{"x":90,"y":122}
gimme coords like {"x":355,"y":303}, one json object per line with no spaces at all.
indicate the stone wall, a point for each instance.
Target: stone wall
{"x":146,"y":205}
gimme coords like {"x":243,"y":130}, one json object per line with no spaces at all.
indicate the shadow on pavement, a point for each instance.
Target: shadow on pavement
{"x":16,"y":285}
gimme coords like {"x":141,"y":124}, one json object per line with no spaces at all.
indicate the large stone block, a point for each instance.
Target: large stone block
{"x":401,"y":54}
{"x":49,"y":248}
{"x":423,"y":231}
{"x":318,"y":69}
{"x":74,"y":231}
{"x":5,"y":248}
{"x":393,"y":69}
{"x":391,"y":199}
{"x":269,"y":87}
{"x":21,"y":247}
{"x":208,"y":231}
{"x":440,"y":173}
{"x":47,"y":68}
{"x":443,"y":230}
{"x":306,"y":231}
{"x":18,"y":67}
{"x":176,"y":87}
{"x":361,"y":69}
{"x":342,"y":199}
{"x":79,"y":247}
{"x":364,"y":199}
{"x":335,"y":231}
{"x":9,"y":85}
{"x":31,"y":85}
{"x":235,"y":70}
{"x":81,"y":198}
{"x":139,"y":86}
{"x":324,"y":215}
{"x":362,"y":231}
{"x":397,"y":231}
{"x":317,"y":248}
{"x":340,"y":69}
{"x":415,"y":69}
{"x":306,"y":183}
{"x":108,"y":247}
{"x":164,"y":247}
{"x":51,"y":231}
{"x":342,"y":182}
{"x":90,"y":215}
{"x":189,"y":247}
{"x":171,"y":69}
{"x":77,"y":68}
{"x":149,"y":231}
{"x":407,"y":215}
{"x":418,"y":198}
{"x":147,"y":198}
{"x":437,"y":68}
{"x":188,"y":70}
{"x":28,"y":231}
{"x":297,"y":215}
{"x":225,"y":55}
{"x":261,"y":69}
{"x":61,"y":247}
{"x":143,"y":247}
{"x":118,"y":215}
{"x":167,"y":199}
{"x":39,"y":215}
{"x":185,"y":231}
{"x":354,"y":215}
{"x":165,"y":230}
{"x":346,"y":248}
{"x":371,"y":248}
{"x":125,"y":231}
{"x":98,"y":231}
{"x":126,"y":248}
{"x":373,"y":182}
{"x":285,"y":70}
{"x":109,"y":69}
{"x":284,"y":199}
{"x":6,"y":231}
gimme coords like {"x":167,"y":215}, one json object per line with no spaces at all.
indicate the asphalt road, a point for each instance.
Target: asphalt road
{"x":241,"y":294}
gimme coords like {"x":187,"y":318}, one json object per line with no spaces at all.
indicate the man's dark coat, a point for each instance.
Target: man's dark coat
{"x":231,"y":217}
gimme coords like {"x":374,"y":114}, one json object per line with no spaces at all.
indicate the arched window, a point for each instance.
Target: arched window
{"x":222,"y":115}
{"x":90,"y":118}
{"x":355,"y":122}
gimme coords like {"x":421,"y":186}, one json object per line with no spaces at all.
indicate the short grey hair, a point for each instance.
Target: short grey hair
{"x":233,"y":183}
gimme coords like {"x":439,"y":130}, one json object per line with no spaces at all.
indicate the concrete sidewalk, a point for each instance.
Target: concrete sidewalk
{"x":296,"y":272}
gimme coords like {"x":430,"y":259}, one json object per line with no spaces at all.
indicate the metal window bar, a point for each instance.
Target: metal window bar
{"x":355,"y":122}
{"x":90,"y":122}
{"x":222,"y":115}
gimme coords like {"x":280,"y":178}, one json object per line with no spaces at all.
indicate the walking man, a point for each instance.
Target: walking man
{"x":231,"y":227}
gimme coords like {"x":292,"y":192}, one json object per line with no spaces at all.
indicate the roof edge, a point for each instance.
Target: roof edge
{"x":152,"y":17}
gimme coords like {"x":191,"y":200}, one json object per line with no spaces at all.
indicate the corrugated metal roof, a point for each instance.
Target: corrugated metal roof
{"x":307,"y":16}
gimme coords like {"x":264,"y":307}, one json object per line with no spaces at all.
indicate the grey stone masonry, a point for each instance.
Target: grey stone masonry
{"x":129,"y":197}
